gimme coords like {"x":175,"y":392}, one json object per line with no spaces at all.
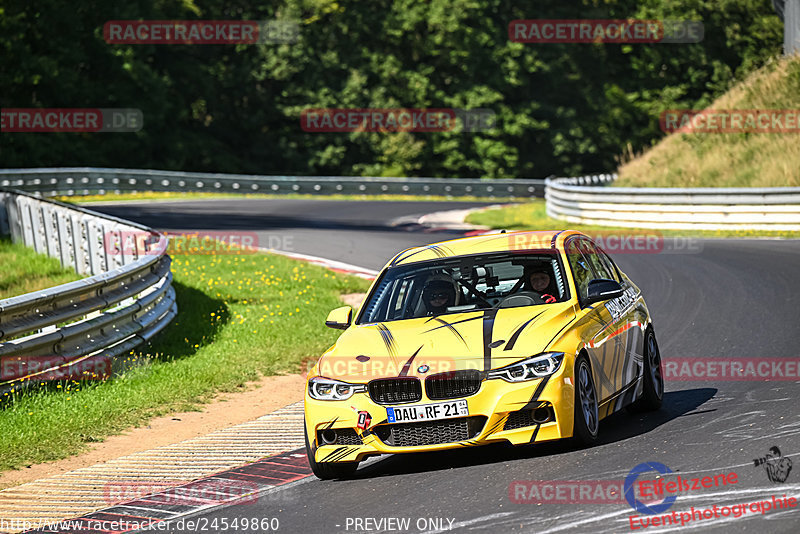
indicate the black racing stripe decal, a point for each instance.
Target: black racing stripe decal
{"x":341,"y":455}
{"x":407,"y":365}
{"x":397,"y":257}
{"x":534,"y":402}
{"x":388,"y":339}
{"x":499,"y":237}
{"x":559,"y":332}
{"x":535,"y":431}
{"x":516,"y":334}
{"x":329,"y":424}
{"x":553,"y":241}
{"x":450,"y":327}
{"x":439,"y":250}
{"x":497,"y":425}
{"x":336,"y":451}
{"x":488,"y":326}
{"x":463,"y":320}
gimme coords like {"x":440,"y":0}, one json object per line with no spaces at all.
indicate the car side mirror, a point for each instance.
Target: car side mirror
{"x":340,"y":318}
{"x":602,"y":289}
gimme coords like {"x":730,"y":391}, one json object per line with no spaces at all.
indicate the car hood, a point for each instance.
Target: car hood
{"x":480,"y":340}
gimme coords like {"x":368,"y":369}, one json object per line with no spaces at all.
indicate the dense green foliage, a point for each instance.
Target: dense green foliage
{"x":562,"y":108}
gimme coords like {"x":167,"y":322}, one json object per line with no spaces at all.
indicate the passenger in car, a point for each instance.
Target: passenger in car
{"x":539,"y":280}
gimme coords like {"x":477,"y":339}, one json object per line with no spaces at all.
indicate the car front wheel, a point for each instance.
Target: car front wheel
{"x":328,"y":470}
{"x":587,"y":419}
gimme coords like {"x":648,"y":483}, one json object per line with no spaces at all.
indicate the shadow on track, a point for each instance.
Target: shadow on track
{"x":617,"y":427}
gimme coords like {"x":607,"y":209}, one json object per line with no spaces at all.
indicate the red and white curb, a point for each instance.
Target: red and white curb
{"x":453,"y":221}
{"x":210,"y":458}
{"x":333,"y":265}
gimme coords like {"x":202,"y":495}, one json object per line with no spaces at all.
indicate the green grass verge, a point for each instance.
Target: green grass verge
{"x":168,"y":195}
{"x":533,"y":216}
{"x":240,"y":317}
{"x":24,"y":270}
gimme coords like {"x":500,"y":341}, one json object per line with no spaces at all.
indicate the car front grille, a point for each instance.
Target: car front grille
{"x":453,"y":384}
{"x":395,"y":390}
{"x":431,"y":432}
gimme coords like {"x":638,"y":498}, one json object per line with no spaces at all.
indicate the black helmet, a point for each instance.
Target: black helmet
{"x":436,"y":286}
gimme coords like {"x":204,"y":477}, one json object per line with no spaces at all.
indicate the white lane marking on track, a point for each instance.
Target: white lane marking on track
{"x":205,"y":509}
{"x":142,"y":508}
{"x":574,"y":524}
{"x":469,"y":522}
{"x":325,"y":262}
{"x":698,"y":524}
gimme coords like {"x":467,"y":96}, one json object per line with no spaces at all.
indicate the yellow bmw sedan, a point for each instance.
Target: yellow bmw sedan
{"x":520,"y":337}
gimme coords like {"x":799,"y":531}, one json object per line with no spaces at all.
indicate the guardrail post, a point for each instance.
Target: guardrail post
{"x":4,"y":227}
{"x":791,"y":27}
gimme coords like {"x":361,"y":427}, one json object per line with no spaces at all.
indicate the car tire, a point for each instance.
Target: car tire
{"x":587,"y":416}
{"x":653,"y":388}
{"x":328,"y":470}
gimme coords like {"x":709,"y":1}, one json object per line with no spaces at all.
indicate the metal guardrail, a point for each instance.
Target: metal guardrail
{"x":84,"y":181}
{"x":586,"y":200}
{"x":75,"y":329}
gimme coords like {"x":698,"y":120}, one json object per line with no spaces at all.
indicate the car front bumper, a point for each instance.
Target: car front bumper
{"x":497,"y":412}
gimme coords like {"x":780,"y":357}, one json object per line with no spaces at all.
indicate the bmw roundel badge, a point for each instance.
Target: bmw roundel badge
{"x":423,"y":368}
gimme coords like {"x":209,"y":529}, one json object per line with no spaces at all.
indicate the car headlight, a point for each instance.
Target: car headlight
{"x":538,"y":366}
{"x":325,"y":389}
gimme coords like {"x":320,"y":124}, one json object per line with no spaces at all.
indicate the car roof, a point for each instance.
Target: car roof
{"x":486,"y":243}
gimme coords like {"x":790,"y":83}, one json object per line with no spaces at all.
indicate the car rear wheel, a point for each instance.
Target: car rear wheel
{"x":653,"y":388}
{"x":587,"y":419}
{"x":328,"y":470}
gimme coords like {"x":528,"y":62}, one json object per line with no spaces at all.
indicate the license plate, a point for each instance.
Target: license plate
{"x":427,"y":412}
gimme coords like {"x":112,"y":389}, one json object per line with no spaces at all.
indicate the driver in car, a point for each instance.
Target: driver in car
{"x":538,"y":279}
{"x":438,"y":294}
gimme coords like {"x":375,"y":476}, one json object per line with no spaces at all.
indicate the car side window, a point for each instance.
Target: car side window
{"x":581,"y":269}
{"x":600,"y":267}
{"x":612,"y":267}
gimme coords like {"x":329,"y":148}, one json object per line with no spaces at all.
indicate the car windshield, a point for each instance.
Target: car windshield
{"x":465,"y":283}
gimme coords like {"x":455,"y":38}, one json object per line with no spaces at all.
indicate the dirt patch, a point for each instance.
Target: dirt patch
{"x":227,"y":409}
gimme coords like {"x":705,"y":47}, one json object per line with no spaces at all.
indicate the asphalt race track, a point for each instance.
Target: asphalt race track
{"x":730,"y":299}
